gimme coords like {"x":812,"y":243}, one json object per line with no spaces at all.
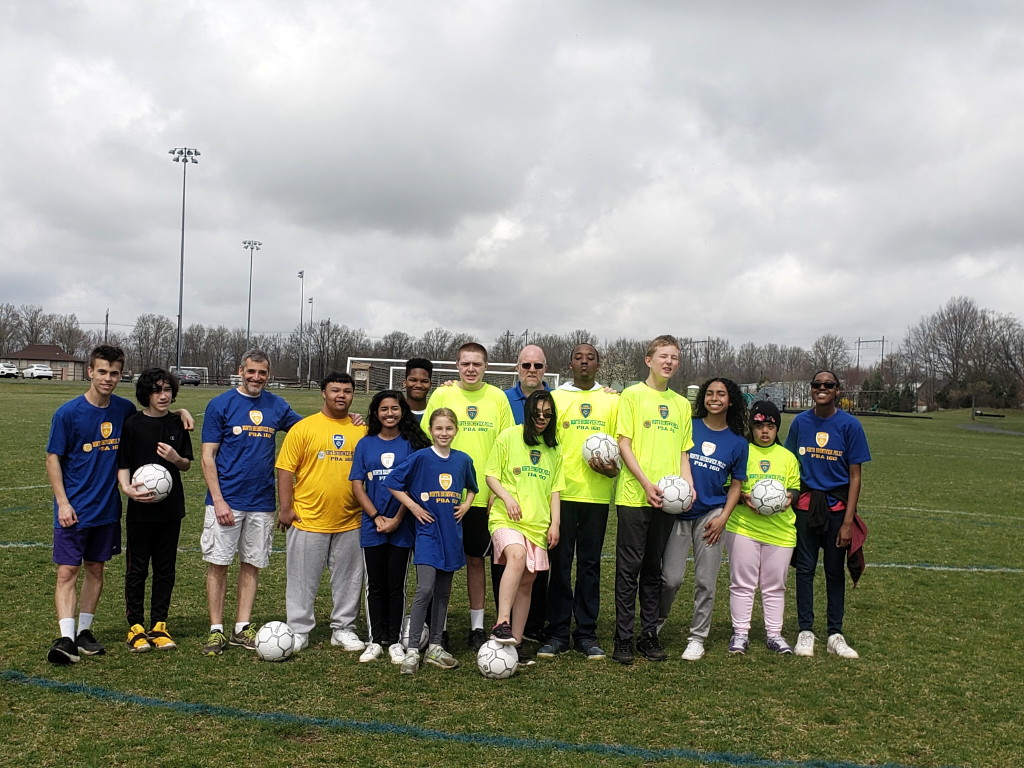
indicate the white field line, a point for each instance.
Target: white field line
{"x":944,"y":512}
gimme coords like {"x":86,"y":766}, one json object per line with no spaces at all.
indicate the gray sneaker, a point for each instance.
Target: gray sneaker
{"x":215,"y":644}
{"x":439,"y":657}
{"x":244,"y":639}
{"x":411,"y":663}
{"x":778,"y":644}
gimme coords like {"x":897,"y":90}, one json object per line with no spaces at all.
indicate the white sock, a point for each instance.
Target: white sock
{"x":216,"y":627}
{"x":67,"y":628}
{"x":240,"y":625}
{"x":84,"y":621}
{"x":476,"y":618}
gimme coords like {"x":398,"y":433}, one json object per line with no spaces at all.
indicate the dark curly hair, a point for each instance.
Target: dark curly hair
{"x":736,"y":415}
{"x":408,"y":427}
{"x":147,"y":382}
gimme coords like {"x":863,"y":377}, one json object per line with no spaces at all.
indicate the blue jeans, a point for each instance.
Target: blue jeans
{"x":581,"y":534}
{"x":805,"y":557}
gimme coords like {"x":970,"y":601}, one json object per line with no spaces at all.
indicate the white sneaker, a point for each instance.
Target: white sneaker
{"x":347,"y":639}
{"x":694,"y":650}
{"x":804,"y":644}
{"x":397,"y":653}
{"x":837,"y":645}
{"x":301,"y":642}
{"x":411,"y":663}
{"x":372,"y":653}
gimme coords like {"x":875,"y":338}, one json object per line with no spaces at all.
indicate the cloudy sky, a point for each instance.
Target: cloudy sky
{"x":766,"y":172}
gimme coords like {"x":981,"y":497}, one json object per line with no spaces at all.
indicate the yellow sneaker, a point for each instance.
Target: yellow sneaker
{"x":160,"y":638}
{"x":138,"y":642}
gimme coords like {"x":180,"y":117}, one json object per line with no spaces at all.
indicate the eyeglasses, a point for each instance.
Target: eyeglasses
{"x":823,"y":385}
{"x":535,"y":366}
{"x":545,"y":415}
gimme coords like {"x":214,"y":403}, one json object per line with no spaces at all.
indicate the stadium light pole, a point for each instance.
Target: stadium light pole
{"x":302,"y":314}
{"x":183,"y":155}
{"x":250,"y":245}
{"x":309,"y":352}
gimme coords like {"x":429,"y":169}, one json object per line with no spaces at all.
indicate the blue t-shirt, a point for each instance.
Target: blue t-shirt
{"x":85,"y":438}
{"x":716,"y":458}
{"x":517,"y":399}
{"x":374,"y":459}
{"x":245,"y":428}
{"x":826,"y":448}
{"x":436,"y":484}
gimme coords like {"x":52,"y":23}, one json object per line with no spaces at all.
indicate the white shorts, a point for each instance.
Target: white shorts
{"x":250,"y":536}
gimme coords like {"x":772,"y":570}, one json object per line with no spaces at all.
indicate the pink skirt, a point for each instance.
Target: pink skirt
{"x":536,"y":557}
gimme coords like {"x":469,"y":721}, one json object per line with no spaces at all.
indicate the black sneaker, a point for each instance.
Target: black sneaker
{"x":88,"y":645}
{"x":649,"y":646}
{"x":623,"y":652}
{"x":551,"y":648}
{"x":63,"y":652}
{"x":525,"y":659}
{"x":502,"y":633}
{"x":476,"y":639}
{"x":591,"y":650}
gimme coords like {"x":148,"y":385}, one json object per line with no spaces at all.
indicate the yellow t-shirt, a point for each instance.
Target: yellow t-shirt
{"x":531,"y":473}
{"x":780,"y":529}
{"x":580,"y":415}
{"x":659,"y":424}
{"x":483,"y":415}
{"x":318,"y":451}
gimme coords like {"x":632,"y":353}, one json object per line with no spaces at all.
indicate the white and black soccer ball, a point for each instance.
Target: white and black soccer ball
{"x":156,"y":478}
{"x":601,"y":446}
{"x":677,"y":495}
{"x":769,"y":496}
{"x":275,"y":641}
{"x":497,"y":661}
{"x":404,"y":636}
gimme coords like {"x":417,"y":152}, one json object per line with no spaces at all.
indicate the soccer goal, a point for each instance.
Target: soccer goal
{"x":373,"y":374}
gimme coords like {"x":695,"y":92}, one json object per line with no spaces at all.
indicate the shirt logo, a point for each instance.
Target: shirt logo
{"x":663,"y":410}
{"x":517,"y":470}
{"x":106,"y":428}
{"x":471,"y":411}
{"x":256,"y":417}
{"x":585,"y":410}
{"x":387,"y":459}
{"x":765,"y":465}
{"x":821,"y":439}
{"x":647,"y":425}
{"x":534,"y":457}
{"x":339,"y":440}
{"x":444,"y":480}
{"x":708,"y":448}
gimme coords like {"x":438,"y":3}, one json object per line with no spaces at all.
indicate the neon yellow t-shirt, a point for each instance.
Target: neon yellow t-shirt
{"x":580,"y":415}
{"x":779,"y":529}
{"x":483,"y":415}
{"x":659,"y":424}
{"x":531,"y":473}
{"x":318,"y":451}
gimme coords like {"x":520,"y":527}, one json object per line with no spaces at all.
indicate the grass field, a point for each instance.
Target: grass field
{"x":937,"y":620}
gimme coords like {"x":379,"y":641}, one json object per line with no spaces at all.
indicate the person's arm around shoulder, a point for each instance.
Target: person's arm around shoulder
{"x":209,"y":463}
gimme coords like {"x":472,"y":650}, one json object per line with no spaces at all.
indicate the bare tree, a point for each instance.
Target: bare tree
{"x":829,"y":352}
{"x":10,"y":329}
{"x":749,"y":366}
{"x":435,"y":344}
{"x":397,"y":344}
{"x":35,"y":324}
{"x":153,"y":340}
{"x":622,"y":361}
{"x":66,"y":333}
{"x":505,"y":348}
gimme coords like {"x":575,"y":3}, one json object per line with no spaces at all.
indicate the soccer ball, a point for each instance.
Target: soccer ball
{"x":677,"y":496}
{"x":497,"y":661}
{"x":769,"y":496}
{"x":155,"y":477}
{"x":275,"y":641}
{"x":404,"y":637}
{"x":602,"y":446}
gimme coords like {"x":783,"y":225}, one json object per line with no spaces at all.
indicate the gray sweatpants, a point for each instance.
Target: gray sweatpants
{"x":308,"y":554}
{"x":707,"y":559}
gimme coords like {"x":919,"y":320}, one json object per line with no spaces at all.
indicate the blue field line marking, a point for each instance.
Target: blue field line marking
{"x":478,"y":739}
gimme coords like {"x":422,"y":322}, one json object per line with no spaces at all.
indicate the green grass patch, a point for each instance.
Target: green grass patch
{"x":936,"y":620}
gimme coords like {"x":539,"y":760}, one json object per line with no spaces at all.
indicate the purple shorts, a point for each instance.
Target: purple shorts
{"x":72,"y":546}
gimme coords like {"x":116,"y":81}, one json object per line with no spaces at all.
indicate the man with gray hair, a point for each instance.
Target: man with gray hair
{"x":239,"y":443}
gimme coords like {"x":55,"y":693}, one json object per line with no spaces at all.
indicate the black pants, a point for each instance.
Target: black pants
{"x":156,"y":543}
{"x":387,"y":568}
{"x":639,"y":544}
{"x":581,"y":536}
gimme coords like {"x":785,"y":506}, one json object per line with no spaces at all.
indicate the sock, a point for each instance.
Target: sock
{"x":216,"y":628}
{"x":84,"y":621}
{"x":476,"y":618}
{"x":240,"y":625}
{"x":67,"y":628}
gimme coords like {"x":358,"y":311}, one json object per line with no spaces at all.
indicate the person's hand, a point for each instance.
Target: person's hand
{"x":605,"y":467}
{"x":286,"y":517}
{"x":166,"y":452}
{"x":425,"y":517}
{"x":357,"y":419}
{"x":553,"y":534}
{"x":385,"y":524}
{"x":223,"y":513}
{"x":747,"y":499}
{"x":512,"y":508}
{"x":139,"y":492}
{"x":186,"y":420}
{"x":713,"y":529}
{"x":654,"y":495}
{"x":66,"y":515}
{"x":845,"y":535}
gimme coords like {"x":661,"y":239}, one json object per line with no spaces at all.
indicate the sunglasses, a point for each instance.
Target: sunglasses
{"x":823,"y":385}
{"x":542,"y":415}
{"x":535,"y":366}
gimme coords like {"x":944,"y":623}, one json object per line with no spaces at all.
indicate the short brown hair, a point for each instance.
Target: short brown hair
{"x":472,"y":346}
{"x":665,"y":340}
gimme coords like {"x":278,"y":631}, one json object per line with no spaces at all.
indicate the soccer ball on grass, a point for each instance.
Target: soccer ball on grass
{"x":275,"y":641}
{"x":497,"y":661}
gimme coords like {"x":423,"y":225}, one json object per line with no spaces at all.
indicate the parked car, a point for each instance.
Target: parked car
{"x":37,"y":371}
{"x":188,"y":376}
{"x":8,"y":371}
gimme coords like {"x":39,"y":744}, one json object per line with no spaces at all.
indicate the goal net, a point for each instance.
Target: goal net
{"x":373,"y":374}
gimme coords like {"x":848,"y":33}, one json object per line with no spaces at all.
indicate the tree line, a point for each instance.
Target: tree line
{"x":960,"y":355}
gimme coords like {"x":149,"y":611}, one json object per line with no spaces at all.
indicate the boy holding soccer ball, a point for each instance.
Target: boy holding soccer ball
{"x":152,"y":436}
